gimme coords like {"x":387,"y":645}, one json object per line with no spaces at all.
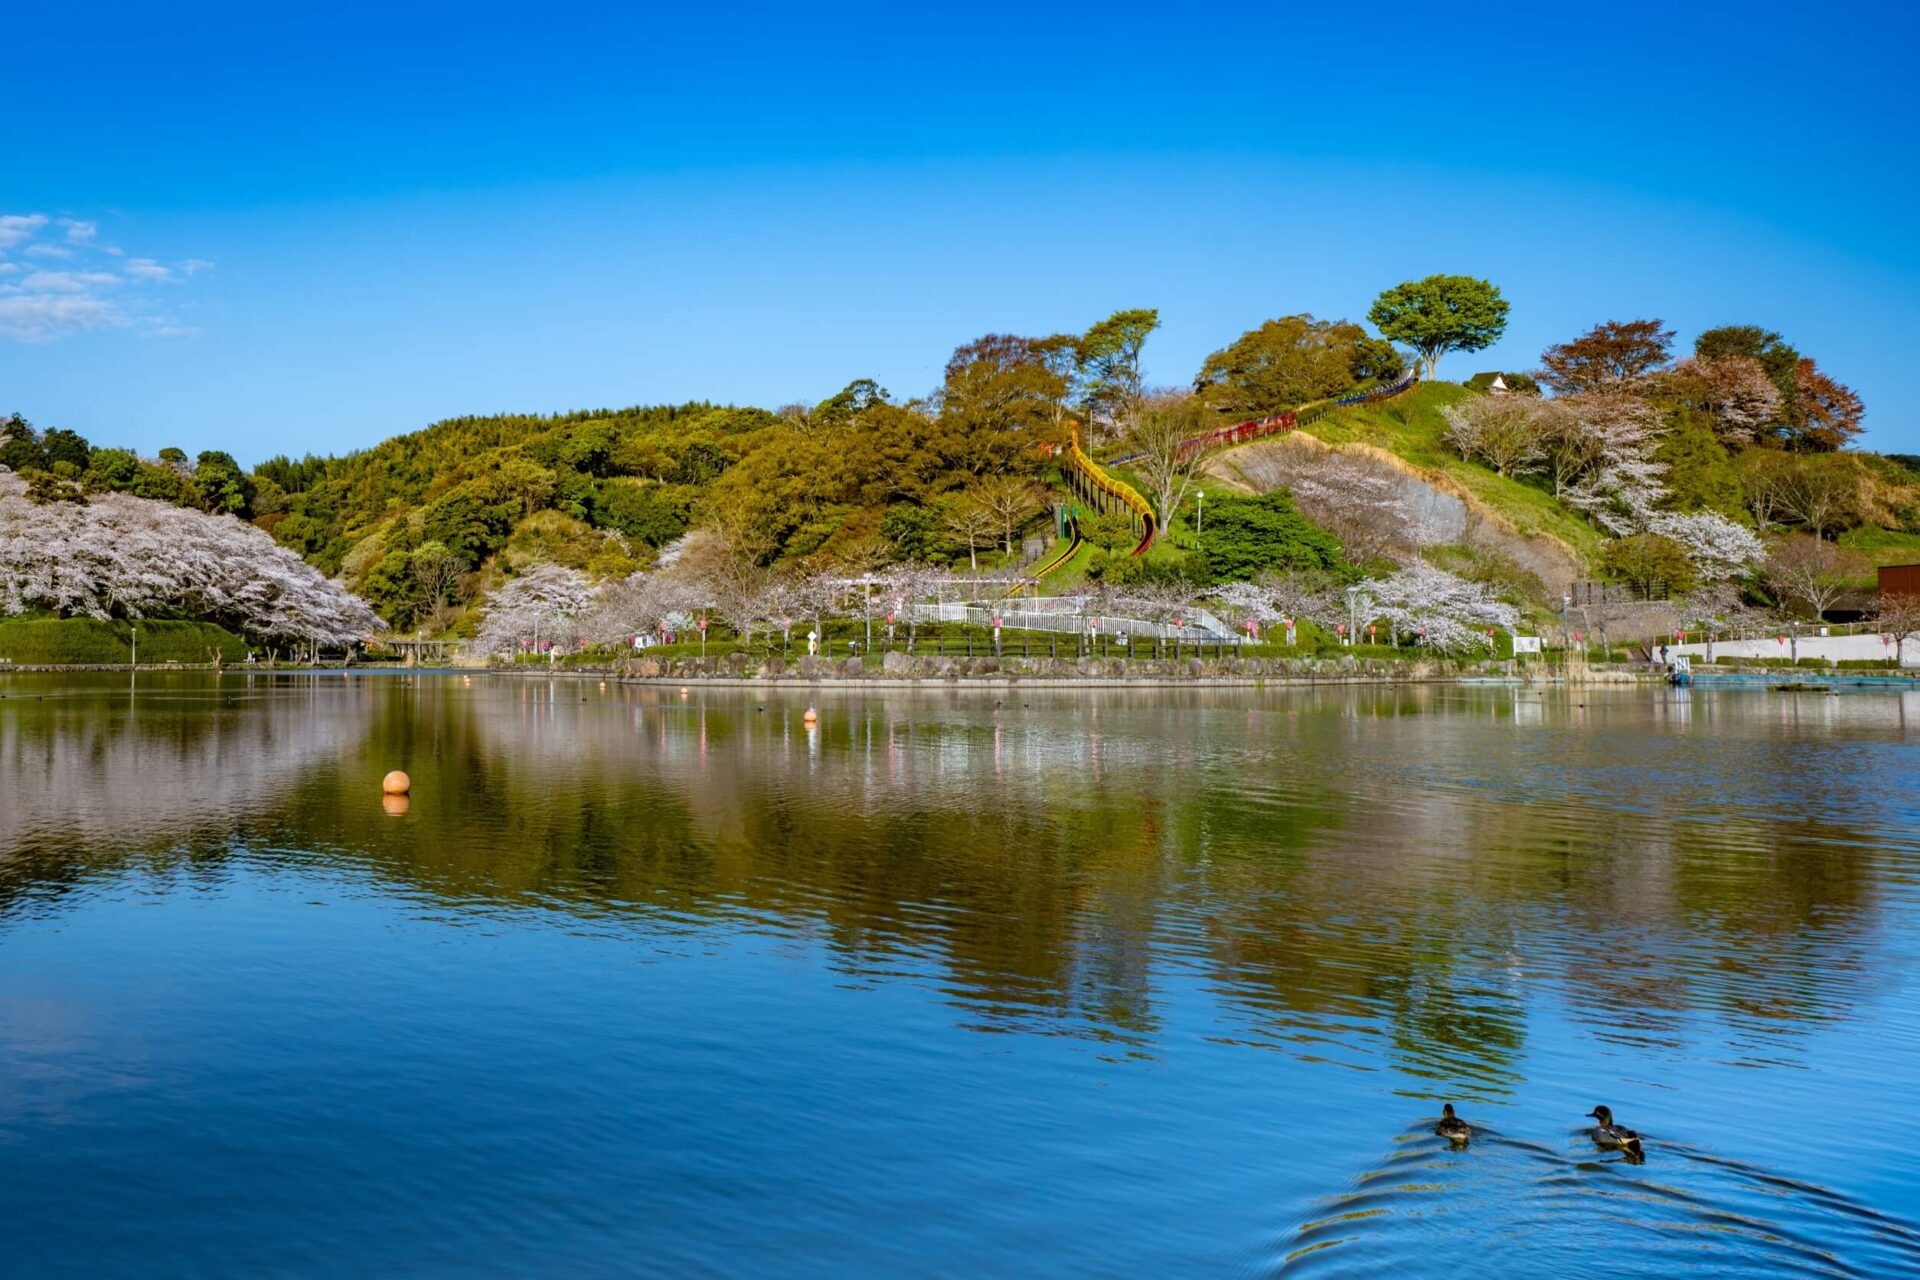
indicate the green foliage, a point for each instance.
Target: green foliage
{"x":1110,"y":532}
{"x":113,"y":469}
{"x":163,"y":484}
{"x":1247,"y":536}
{"x":45,"y":487}
{"x":61,"y":445}
{"x":1440,"y":314}
{"x":1519,"y":383}
{"x":655,"y":514}
{"x":917,"y":533}
{"x":1109,"y":361}
{"x":20,"y":447}
{"x":90,"y":641}
{"x":1291,"y":361}
{"x":1775,"y":355}
{"x":1651,"y":563}
{"x":1002,"y":395}
{"x":291,"y":476}
{"x":222,"y":486}
{"x":472,"y":525}
{"x":389,"y":588}
{"x":1700,"y":472}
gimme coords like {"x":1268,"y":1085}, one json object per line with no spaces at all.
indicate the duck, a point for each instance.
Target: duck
{"x":1452,"y":1127}
{"x":1614,"y":1137}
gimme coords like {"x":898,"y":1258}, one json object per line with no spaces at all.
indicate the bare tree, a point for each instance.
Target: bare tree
{"x":437,"y":573}
{"x":1168,"y":420}
{"x":1802,"y":569}
{"x":1013,"y":500}
{"x":1823,"y":493}
{"x":1899,"y":617}
{"x":968,"y":518}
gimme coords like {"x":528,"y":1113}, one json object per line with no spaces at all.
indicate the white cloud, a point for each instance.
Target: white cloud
{"x":15,"y":227}
{"x":148,"y":270}
{"x":42,"y":303}
{"x":68,"y":281}
{"x":43,"y":317}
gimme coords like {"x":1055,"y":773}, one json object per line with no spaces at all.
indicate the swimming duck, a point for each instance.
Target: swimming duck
{"x":1614,"y":1137}
{"x":1452,"y":1127}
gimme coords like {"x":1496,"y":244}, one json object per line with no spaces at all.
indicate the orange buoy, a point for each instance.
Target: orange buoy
{"x":396,"y":783}
{"x":811,"y":717}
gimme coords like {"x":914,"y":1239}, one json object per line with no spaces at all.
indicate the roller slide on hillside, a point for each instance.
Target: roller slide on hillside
{"x":1105,"y":494}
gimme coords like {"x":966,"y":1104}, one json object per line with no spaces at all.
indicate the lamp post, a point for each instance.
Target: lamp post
{"x":1353,"y":615}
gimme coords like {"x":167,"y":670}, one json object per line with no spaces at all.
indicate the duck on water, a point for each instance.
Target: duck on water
{"x":1452,"y":1127}
{"x":1614,"y":1137}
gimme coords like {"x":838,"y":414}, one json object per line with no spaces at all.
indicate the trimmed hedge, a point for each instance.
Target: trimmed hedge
{"x":89,"y":642}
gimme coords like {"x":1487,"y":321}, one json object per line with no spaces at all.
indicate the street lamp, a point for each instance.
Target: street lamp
{"x":1353,"y":615}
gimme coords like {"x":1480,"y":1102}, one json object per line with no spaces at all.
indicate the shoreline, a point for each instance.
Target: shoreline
{"x":986,"y":673}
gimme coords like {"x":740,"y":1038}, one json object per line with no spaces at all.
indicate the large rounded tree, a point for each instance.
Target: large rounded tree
{"x":1441,"y":314}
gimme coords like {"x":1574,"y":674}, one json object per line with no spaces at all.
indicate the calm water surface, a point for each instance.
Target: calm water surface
{"x":1102,"y":983}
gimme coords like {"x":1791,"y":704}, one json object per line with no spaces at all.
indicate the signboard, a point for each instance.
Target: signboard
{"x":1526,"y":644}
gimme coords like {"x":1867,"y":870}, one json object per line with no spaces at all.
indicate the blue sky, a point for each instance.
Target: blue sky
{"x":283,"y":228}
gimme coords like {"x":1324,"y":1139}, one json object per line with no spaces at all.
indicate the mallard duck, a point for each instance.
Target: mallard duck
{"x":1452,"y":1127}
{"x":1614,"y":1137}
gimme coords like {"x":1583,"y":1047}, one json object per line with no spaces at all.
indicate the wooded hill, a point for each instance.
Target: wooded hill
{"x":1745,"y":429}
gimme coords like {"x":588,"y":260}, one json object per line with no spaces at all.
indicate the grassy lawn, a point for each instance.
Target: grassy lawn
{"x":1883,"y":546}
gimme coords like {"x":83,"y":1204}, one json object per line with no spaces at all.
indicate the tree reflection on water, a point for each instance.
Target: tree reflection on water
{"x":1355,"y":874}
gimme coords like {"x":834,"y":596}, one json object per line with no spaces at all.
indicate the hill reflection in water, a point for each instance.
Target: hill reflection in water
{"x":1332,"y":899}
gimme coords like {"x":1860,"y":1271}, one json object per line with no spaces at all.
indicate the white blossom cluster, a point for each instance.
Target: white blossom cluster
{"x":1441,"y":610}
{"x":543,"y":605}
{"x":116,"y":555}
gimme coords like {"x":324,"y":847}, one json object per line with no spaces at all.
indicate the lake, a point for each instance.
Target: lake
{"x":1030,"y":983}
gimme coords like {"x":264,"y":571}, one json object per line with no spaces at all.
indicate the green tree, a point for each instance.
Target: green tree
{"x":1440,"y":314}
{"x":1109,"y":367}
{"x":999,"y":399}
{"x":916,"y":532}
{"x":1109,"y":532}
{"x":655,"y":514}
{"x":1290,"y":361}
{"x":1700,"y":474}
{"x":1651,"y":563}
{"x":71,"y":447}
{"x":20,"y":447}
{"x":1774,"y":353}
{"x":113,"y":469}
{"x":222,"y":486}
{"x":163,"y":483}
{"x":390,"y":588}
{"x":1247,"y":536}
